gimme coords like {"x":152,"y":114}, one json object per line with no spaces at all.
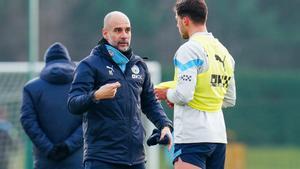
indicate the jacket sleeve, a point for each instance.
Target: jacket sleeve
{"x":150,"y":105}
{"x":31,"y":125}
{"x":75,"y":141}
{"x":81,"y":92}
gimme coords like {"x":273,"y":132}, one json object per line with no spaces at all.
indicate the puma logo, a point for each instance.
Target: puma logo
{"x":220,"y":60}
{"x":110,"y":70}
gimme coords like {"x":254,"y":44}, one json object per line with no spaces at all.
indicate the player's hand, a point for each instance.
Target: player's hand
{"x":107,"y":91}
{"x":167,"y":132}
{"x":170,"y":104}
{"x":161,"y":94}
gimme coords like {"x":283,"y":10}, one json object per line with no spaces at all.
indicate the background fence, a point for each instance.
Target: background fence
{"x":12,"y":140}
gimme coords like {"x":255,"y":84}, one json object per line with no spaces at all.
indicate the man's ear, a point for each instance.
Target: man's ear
{"x":104,"y":33}
{"x":186,"y":20}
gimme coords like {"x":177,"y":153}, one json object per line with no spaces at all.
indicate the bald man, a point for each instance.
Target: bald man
{"x":111,"y":88}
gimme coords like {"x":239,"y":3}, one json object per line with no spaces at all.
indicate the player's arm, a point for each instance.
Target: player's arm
{"x":188,"y":61}
{"x":230,"y":96}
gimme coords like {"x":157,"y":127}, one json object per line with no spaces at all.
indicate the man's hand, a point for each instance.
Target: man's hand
{"x":107,"y":91}
{"x":161,"y":94}
{"x":52,"y":154}
{"x":170,"y":104}
{"x":167,"y":132}
{"x":59,"y":152}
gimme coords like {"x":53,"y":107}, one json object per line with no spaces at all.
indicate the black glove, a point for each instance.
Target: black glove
{"x":52,"y":153}
{"x":59,"y":152}
{"x":154,"y":138}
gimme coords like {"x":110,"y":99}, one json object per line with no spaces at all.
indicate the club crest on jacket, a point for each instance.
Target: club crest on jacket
{"x":135,"y":72}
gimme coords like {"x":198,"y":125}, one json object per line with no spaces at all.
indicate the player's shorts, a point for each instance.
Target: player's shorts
{"x":203,"y":155}
{"x":96,"y":164}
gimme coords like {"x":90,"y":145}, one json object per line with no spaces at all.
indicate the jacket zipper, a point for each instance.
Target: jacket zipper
{"x":130,"y":114}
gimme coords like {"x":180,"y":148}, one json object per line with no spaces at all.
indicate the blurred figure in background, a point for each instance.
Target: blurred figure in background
{"x":112,"y":87}
{"x":6,"y":140}
{"x":204,"y":83}
{"x":54,"y":131}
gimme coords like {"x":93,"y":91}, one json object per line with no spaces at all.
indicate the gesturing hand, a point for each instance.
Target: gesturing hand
{"x":107,"y":91}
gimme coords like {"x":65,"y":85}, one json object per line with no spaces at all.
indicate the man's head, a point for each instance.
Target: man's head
{"x":57,"y":51}
{"x":117,"y":30}
{"x":190,"y":13}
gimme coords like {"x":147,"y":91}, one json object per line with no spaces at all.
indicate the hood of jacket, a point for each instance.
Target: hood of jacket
{"x":59,"y":68}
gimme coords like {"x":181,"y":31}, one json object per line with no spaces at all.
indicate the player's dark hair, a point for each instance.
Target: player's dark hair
{"x":196,"y":10}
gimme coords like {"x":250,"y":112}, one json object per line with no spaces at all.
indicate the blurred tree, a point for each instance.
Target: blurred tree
{"x":258,"y":33}
{"x":146,"y":19}
{"x":13,"y":30}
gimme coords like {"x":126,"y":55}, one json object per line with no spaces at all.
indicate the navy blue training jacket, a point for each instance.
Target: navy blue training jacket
{"x":113,"y":130}
{"x":46,"y":119}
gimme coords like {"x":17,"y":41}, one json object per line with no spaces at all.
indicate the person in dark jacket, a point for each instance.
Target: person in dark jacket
{"x":6,"y":140}
{"x":112,"y":87}
{"x":55,"y":132}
